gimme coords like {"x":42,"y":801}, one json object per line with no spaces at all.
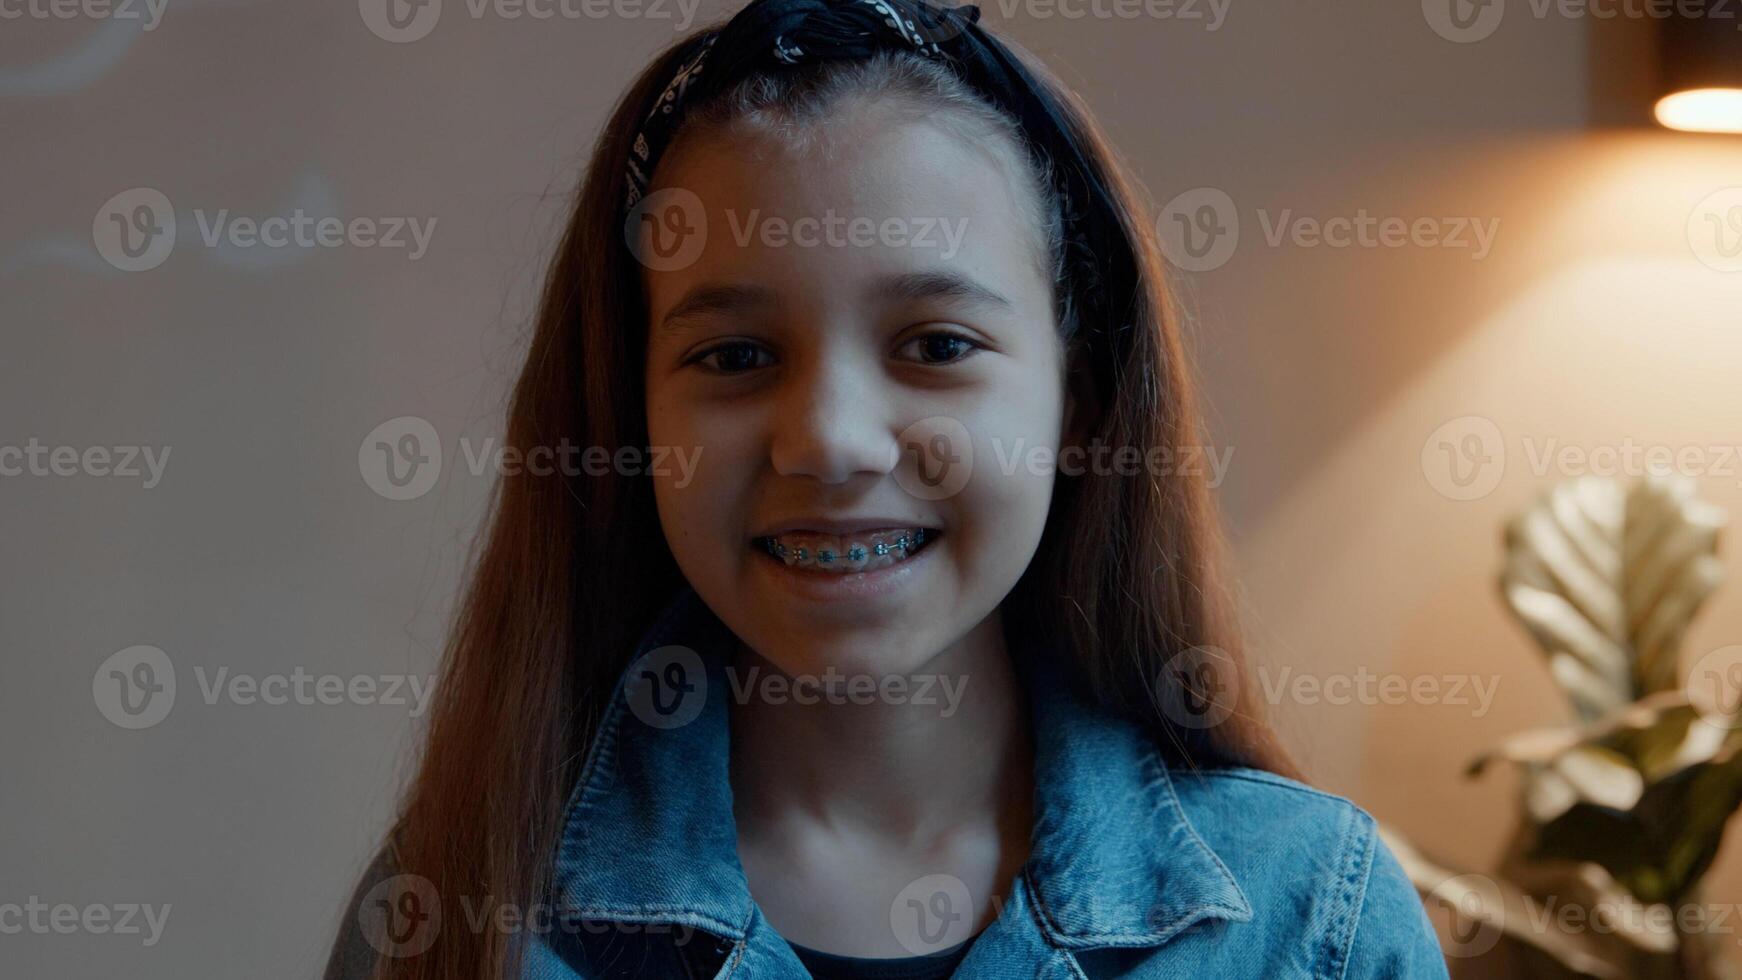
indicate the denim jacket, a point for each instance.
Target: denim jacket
{"x":1137,"y":869}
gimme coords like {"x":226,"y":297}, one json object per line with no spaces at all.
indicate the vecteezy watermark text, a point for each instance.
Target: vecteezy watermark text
{"x":401,"y":459}
{"x":1102,"y":459}
{"x":402,"y":916}
{"x":1469,"y":21}
{"x":1464,"y":458}
{"x":35,"y":459}
{"x":841,"y":231}
{"x":1200,"y":687}
{"x":1365,"y":230}
{"x":305,"y":230}
{"x":570,"y":459}
{"x":669,"y":687}
{"x":137,"y":229}
{"x":668,"y":230}
{"x":1212,"y":14}
{"x":41,"y":918}
{"x":404,"y":21}
{"x":1199,"y":230}
{"x":838,"y":688}
{"x":1366,"y":687}
{"x":303,"y":688}
{"x":135,"y":688}
{"x":148,"y":12}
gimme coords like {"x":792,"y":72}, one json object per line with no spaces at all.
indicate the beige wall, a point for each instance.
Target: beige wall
{"x":1589,"y":321}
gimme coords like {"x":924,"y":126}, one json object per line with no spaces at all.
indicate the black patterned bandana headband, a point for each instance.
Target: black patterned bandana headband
{"x":771,"y":33}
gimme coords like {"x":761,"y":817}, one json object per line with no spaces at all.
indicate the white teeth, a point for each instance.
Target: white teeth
{"x":846,"y":553}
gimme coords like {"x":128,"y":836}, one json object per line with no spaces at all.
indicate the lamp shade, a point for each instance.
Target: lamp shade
{"x":1700,"y":86}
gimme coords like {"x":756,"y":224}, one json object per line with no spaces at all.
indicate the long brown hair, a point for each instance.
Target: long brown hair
{"x":573,"y":567}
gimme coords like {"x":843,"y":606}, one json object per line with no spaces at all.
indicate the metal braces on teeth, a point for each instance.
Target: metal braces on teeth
{"x":856,"y":553}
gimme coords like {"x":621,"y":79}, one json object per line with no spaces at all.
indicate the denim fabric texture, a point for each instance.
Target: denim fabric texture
{"x":1138,"y":869}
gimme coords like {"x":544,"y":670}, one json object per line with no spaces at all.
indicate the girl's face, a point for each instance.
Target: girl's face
{"x":865,"y":340}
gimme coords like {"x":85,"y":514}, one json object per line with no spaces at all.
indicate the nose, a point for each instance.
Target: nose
{"x":833,"y":421}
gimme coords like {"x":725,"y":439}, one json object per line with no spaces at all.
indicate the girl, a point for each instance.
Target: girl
{"x":921,"y":666}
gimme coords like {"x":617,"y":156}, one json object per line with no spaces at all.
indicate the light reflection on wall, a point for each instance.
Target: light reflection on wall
{"x":1610,"y":329}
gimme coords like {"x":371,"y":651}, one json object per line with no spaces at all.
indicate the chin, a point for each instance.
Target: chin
{"x":853,"y":658}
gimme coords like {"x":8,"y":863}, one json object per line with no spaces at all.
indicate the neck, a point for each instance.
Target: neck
{"x":909,"y":772}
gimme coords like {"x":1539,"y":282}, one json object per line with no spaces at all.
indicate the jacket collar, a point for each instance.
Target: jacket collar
{"x":649,"y":834}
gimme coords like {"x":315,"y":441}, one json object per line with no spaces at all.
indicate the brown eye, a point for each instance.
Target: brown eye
{"x":735,"y":357}
{"x":943,"y":347}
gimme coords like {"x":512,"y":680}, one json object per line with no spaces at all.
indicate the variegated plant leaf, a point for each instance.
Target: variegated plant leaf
{"x":1670,"y":552}
{"x":1621,"y":728}
{"x":1606,"y":579}
{"x":1661,"y":845}
{"x":1612,"y":761}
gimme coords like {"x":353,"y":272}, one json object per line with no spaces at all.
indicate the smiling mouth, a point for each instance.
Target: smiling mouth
{"x":845,"y":553}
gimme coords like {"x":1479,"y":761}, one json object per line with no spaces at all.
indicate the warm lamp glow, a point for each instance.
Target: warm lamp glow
{"x":1702,"y":110}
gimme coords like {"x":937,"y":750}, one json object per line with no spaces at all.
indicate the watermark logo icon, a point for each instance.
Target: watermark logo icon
{"x":1464,"y":21}
{"x":1464,"y":458}
{"x":1198,"y":688}
{"x":401,"y":916}
{"x":401,"y":458}
{"x":134,"y":231}
{"x":1714,"y":686}
{"x":400,"y":21}
{"x":938,"y":23}
{"x":1199,"y":229}
{"x":932,"y":914}
{"x":943,"y":458}
{"x":135,"y":688}
{"x":1476,"y":906}
{"x":667,"y":230}
{"x":668,"y":687}
{"x":1715,"y":230}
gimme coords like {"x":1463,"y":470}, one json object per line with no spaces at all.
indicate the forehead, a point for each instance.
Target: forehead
{"x":862,"y":197}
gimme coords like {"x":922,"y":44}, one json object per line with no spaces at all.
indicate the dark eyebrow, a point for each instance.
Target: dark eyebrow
{"x":938,"y":285}
{"x":715,"y":298}
{"x":710,"y":299}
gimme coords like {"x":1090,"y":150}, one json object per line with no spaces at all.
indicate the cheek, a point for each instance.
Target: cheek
{"x":703,"y":490}
{"x":667,"y":422}
{"x":1002,"y":509}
